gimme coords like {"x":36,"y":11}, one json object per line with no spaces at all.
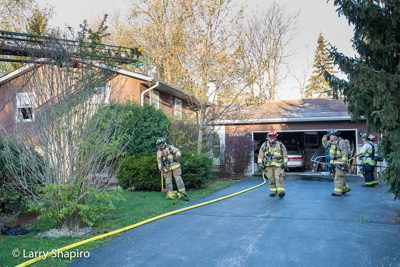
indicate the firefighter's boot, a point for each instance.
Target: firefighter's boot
{"x":346,"y":190}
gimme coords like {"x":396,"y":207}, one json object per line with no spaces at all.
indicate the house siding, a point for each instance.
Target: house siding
{"x":8,"y":92}
{"x":123,"y":88}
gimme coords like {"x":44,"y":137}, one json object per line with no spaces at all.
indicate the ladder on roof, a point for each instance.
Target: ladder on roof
{"x":33,"y":47}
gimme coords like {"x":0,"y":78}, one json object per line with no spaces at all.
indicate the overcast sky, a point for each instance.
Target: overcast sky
{"x":315,"y":16}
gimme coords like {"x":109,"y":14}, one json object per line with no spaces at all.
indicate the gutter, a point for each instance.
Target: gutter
{"x":142,"y":94}
{"x":16,"y":73}
{"x":278,"y":120}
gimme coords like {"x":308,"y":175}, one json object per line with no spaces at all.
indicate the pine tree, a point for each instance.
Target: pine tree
{"x":373,"y":88}
{"x":38,"y":22}
{"x":318,"y":87}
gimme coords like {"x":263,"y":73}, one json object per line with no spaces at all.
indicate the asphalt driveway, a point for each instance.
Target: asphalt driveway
{"x":308,"y":227}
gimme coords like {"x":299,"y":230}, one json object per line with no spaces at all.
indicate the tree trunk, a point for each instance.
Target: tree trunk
{"x":71,"y":222}
{"x":200,"y":139}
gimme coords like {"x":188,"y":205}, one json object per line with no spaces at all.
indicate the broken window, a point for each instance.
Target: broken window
{"x":25,"y":107}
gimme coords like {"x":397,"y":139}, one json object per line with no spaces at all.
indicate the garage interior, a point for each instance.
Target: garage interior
{"x":310,"y":144}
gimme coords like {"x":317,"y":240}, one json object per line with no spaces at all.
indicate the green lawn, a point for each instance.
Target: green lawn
{"x":138,"y":206}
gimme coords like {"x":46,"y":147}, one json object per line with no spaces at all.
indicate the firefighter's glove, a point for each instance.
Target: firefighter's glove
{"x":264,"y":168}
{"x":171,"y":157}
{"x":284,"y":166}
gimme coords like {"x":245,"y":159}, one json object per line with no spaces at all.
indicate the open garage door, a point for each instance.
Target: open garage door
{"x":309,"y":143}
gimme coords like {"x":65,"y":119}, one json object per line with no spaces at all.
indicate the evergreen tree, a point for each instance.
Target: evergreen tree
{"x":318,"y":87}
{"x":372,"y":89}
{"x":38,"y":22}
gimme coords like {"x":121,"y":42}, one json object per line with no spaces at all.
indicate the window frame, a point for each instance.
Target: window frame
{"x":20,"y":97}
{"x":101,"y":95}
{"x":155,"y":98}
{"x":178,"y":108}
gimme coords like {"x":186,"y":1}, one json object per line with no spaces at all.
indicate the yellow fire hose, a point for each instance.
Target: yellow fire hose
{"x":136,"y":225}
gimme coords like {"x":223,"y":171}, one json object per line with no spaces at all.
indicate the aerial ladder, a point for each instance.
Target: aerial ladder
{"x":29,"y":48}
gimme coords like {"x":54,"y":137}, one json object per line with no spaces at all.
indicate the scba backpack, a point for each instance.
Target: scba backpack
{"x":349,"y":150}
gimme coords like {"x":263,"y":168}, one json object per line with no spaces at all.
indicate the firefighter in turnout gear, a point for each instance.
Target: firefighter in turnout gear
{"x":367,"y":160}
{"x":273,"y":159}
{"x":168,"y":163}
{"x":338,"y":153}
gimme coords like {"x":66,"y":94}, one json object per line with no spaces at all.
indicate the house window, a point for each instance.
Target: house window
{"x":101,"y":95}
{"x":178,"y":108}
{"x":25,"y":107}
{"x":155,"y":98}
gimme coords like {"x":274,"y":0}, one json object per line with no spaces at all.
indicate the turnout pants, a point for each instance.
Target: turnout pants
{"x":369,"y":174}
{"x":340,"y":180}
{"x":178,"y":179}
{"x":275,"y":182}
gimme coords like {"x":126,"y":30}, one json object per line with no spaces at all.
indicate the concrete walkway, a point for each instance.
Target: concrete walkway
{"x":308,"y":227}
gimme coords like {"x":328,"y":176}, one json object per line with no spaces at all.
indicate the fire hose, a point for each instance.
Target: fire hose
{"x":50,"y":253}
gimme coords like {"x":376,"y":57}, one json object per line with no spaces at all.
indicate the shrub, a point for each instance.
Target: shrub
{"x":238,"y":154}
{"x":10,"y":193}
{"x":141,"y":126}
{"x":196,"y":169}
{"x":141,"y":172}
{"x":9,"y":199}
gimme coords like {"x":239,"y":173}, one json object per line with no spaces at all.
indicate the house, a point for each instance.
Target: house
{"x":51,"y":92}
{"x":17,"y":104}
{"x":302,"y":122}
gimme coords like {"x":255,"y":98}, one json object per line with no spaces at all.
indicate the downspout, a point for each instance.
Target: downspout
{"x":142,"y":94}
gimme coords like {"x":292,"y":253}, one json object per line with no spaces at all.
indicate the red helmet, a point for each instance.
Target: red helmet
{"x":272,"y":134}
{"x":371,"y":137}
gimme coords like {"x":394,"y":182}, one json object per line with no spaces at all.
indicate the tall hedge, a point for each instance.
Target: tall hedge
{"x":144,"y":125}
{"x":147,"y":123}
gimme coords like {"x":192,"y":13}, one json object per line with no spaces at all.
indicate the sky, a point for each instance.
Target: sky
{"x":315,"y":17}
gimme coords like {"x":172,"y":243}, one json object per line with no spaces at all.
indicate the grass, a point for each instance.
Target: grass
{"x":138,"y":206}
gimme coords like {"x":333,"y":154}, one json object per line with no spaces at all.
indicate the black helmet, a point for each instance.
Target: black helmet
{"x":160,"y":142}
{"x":332,"y":132}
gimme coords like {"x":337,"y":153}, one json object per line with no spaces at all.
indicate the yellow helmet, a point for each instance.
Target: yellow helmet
{"x":171,"y":195}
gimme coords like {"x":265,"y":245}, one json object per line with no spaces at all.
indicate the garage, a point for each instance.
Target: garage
{"x":300,"y":123}
{"x":309,"y":144}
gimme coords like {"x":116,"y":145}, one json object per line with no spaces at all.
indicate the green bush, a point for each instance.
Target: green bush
{"x":140,"y":125}
{"x":141,"y":172}
{"x":9,"y":200}
{"x":10,"y":194}
{"x":196,"y":169}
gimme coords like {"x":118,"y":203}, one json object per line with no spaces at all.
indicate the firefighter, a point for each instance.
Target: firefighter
{"x":168,"y":163}
{"x":273,"y":159}
{"x":367,"y":160}
{"x":338,"y":153}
